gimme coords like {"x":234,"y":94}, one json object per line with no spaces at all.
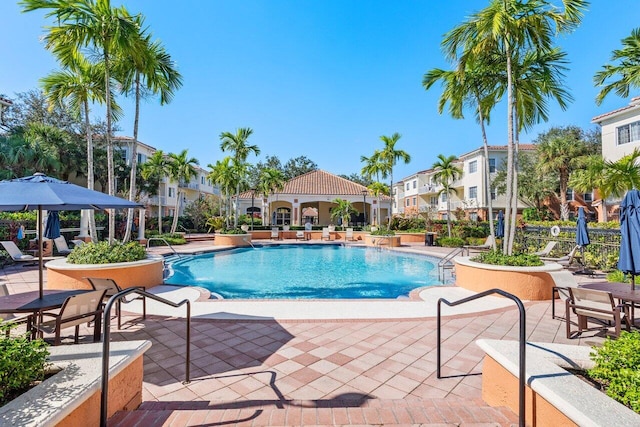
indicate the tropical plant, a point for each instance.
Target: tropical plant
{"x":156,"y":167}
{"x":374,"y":167}
{"x":389,"y":156}
{"x":237,"y":144}
{"x":270,"y":181}
{"x":181,"y":170}
{"x":343,"y":210}
{"x":378,"y":189}
{"x":515,"y":30}
{"x":105,"y":253}
{"x":22,"y":362}
{"x":446,"y":172}
{"x":627,"y":70}
{"x":298,"y":166}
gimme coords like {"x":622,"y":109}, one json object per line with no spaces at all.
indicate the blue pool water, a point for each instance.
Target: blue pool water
{"x":305,"y":271}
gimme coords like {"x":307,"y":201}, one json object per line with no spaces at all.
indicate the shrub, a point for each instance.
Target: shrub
{"x":22,"y":361}
{"x":172,"y":239}
{"x":618,"y":277}
{"x":103,"y":253}
{"x":383,"y":231}
{"x":515,"y":260}
{"x":450,"y":242}
{"x":232,"y":231}
{"x":618,"y":368}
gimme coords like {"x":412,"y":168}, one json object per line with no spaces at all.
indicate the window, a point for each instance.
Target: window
{"x":202,"y":180}
{"x":473,"y":216}
{"x":628,"y":133}
{"x":407,"y":202}
{"x":493,"y":193}
{"x":473,"y":192}
{"x":172,"y":192}
{"x":433,"y":201}
{"x":415,"y":183}
{"x":408,"y":186}
{"x":570,"y":195}
{"x":588,"y":197}
{"x":141,"y":158}
{"x":443,"y":197}
{"x":492,"y":165}
{"x":473,"y":166}
{"x":415,"y":201}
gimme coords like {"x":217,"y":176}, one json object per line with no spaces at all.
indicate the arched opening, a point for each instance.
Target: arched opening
{"x":281,"y":216}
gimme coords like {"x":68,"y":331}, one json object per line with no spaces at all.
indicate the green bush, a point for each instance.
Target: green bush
{"x":103,"y":253}
{"x":450,"y":242}
{"x":232,"y":231}
{"x":383,"y":231}
{"x":172,"y":239}
{"x":618,"y":368}
{"x":515,"y":260}
{"x":22,"y":361}
{"x":618,"y":277}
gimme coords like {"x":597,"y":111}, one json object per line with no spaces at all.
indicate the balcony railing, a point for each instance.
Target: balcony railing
{"x":189,"y":185}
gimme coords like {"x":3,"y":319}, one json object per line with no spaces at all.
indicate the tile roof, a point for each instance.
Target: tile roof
{"x":5,"y":101}
{"x":318,"y":182}
{"x":634,"y":104}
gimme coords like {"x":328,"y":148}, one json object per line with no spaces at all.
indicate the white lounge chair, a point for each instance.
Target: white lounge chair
{"x":275,"y":233}
{"x":547,"y":249}
{"x":61,"y":245}
{"x":15,"y":253}
{"x":488,"y":244}
{"x":566,"y":260}
{"x":326,"y":234}
{"x":349,"y":234}
{"x":300,"y":235}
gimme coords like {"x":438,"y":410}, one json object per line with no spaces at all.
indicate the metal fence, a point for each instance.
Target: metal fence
{"x":602,"y":253}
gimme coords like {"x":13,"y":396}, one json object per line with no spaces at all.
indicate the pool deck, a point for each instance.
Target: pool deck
{"x":318,"y":362}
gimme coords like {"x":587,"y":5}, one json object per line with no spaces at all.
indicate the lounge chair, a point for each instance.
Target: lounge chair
{"x":300,"y":235}
{"x":10,"y":319}
{"x":589,"y":304}
{"x":326,"y":234}
{"x":61,"y":245}
{"x":488,"y":244}
{"x":547,"y":249}
{"x":111,"y":288}
{"x":566,"y":260}
{"x":275,"y":233}
{"x":76,"y":310}
{"x":349,"y":234}
{"x":15,"y":253}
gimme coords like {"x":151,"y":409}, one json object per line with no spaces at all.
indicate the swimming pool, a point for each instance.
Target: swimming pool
{"x":305,"y":272}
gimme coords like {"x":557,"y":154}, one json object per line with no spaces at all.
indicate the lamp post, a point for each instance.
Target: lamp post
{"x":364,"y":205}
{"x":253,"y":194}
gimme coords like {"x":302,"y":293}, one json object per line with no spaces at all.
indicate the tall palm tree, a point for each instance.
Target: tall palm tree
{"x":627,"y":70}
{"x":270,"y":181}
{"x":511,"y":27}
{"x":90,"y":24}
{"x":181,"y":169}
{"x":374,"y":167}
{"x":148,"y":72}
{"x":378,"y":189}
{"x":156,"y":167}
{"x":223,"y":175}
{"x":446,"y":172}
{"x":389,"y":156}
{"x":237,"y":144}
{"x":80,"y":84}
{"x":343,"y":210}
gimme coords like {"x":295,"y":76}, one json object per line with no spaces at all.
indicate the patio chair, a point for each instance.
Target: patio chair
{"x":488,"y":244}
{"x":349,"y":234}
{"x":590,"y":304}
{"x":325,"y":233}
{"x":547,"y":249}
{"x":61,"y":245}
{"x":563,"y":280}
{"x":300,"y":235}
{"x":11,"y":319}
{"x":275,"y":233}
{"x":15,"y":253}
{"x":76,"y":310}
{"x":564,"y":261}
{"x":111,"y":288}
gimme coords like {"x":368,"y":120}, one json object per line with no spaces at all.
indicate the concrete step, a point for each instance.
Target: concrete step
{"x":450,"y":411}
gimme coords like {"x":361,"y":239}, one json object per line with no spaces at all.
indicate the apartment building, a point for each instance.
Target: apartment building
{"x":419,"y":193}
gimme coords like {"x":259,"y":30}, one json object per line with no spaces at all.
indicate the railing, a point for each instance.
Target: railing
{"x":184,"y":229}
{"x":378,"y":242}
{"x":106,"y":341}
{"x":165,"y":242}
{"x":522,"y":342}
{"x":446,"y":264}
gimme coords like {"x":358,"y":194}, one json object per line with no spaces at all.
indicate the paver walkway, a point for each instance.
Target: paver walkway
{"x":374,"y":372}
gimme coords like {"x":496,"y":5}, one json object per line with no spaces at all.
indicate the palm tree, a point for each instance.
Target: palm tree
{"x":270,"y":181}
{"x":151,"y":71}
{"x":627,"y":70}
{"x":223,"y":175}
{"x":237,"y":144}
{"x":560,"y":151}
{"x":446,"y":172}
{"x":343,"y":210}
{"x":181,"y":169}
{"x":512,"y":27}
{"x":389,"y":156}
{"x":378,"y":189}
{"x":156,"y":167}
{"x":373,"y":166}
{"x":90,"y":24}
{"x":80,"y":84}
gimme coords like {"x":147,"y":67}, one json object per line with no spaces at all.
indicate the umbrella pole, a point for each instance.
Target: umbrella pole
{"x":633,"y":281}
{"x":40,"y":249}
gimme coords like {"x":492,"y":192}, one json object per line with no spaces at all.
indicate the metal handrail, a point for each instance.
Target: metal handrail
{"x":165,"y":242}
{"x":444,"y":262}
{"x":186,"y":230}
{"x":106,"y":341}
{"x":522,"y":342}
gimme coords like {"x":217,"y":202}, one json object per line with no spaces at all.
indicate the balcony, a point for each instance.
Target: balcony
{"x":190,"y":185}
{"x":155,"y":199}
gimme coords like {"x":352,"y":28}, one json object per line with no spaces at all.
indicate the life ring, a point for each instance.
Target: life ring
{"x":555,"y":231}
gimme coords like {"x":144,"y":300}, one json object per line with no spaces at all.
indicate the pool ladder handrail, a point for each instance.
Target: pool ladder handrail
{"x":521,"y":348}
{"x":446,"y":263}
{"x":165,"y":242}
{"x":106,"y":341}
{"x":377,"y":243}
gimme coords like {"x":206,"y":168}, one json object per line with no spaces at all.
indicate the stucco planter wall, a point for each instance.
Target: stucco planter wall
{"x":146,"y":272}
{"x":233,"y":240}
{"x":373,"y":240}
{"x":527,"y":283}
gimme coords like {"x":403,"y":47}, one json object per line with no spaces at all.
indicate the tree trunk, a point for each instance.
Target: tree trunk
{"x":514,"y":197}
{"x":487,"y":175}
{"x":90,"y":178}
{"x":174,"y":224}
{"x":448,"y":211}
{"x":134,"y":162}
{"x":110,"y":170}
{"x":510,"y":162}
{"x":564,"y":205}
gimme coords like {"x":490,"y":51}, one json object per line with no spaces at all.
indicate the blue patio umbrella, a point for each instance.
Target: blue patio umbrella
{"x":44,"y":192}
{"x":629,"y":259}
{"x":500,"y":225}
{"x":52,"y":227}
{"x":582,"y":234}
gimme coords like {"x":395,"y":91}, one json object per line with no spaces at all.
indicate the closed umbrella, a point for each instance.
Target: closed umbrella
{"x":582,"y":234}
{"x":52,"y":227}
{"x":500,"y":225}
{"x":629,"y":259}
{"x":43,"y":192}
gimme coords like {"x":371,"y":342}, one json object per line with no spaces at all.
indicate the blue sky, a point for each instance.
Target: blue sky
{"x":322,"y":79}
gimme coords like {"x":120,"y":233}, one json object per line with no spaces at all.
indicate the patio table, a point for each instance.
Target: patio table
{"x":620,"y":291}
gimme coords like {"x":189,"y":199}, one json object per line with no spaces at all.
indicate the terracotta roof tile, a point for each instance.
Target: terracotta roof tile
{"x":635,"y":103}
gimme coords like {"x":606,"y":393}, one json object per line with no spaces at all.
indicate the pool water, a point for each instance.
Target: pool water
{"x":305,"y":271}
